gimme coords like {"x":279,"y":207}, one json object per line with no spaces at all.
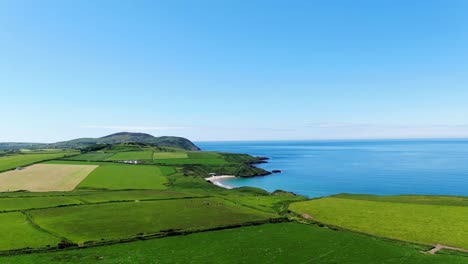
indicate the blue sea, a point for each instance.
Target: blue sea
{"x":384,"y":167}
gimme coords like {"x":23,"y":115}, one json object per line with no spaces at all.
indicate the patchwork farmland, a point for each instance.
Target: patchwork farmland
{"x":89,"y":207}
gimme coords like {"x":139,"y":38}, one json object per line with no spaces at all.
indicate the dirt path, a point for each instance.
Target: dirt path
{"x":307,"y":216}
{"x":439,"y":247}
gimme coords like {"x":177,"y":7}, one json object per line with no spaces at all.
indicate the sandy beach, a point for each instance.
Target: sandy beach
{"x":216,"y":180}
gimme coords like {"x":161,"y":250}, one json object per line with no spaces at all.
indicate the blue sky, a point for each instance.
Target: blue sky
{"x":234,"y":70}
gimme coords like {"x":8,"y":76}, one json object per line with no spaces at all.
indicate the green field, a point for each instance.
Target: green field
{"x":124,"y":220}
{"x":166,"y":195}
{"x":13,"y":161}
{"x":420,"y":223}
{"x":190,"y":161}
{"x":17,"y":233}
{"x":132,"y":155}
{"x":131,"y":195}
{"x":20,"y":203}
{"x":265,"y":203}
{"x":414,"y":199}
{"x":117,"y":177}
{"x":203,"y":155}
{"x":93,"y":156}
{"x":271,"y":243}
{"x":170,"y":155}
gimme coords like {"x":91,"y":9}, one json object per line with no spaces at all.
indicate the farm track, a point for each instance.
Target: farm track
{"x":307,"y":219}
{"x":439,"y":247}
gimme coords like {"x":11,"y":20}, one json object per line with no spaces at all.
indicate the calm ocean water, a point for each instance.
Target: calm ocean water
{"x":319,"y":168}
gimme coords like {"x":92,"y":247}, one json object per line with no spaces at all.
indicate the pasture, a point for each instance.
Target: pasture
{"x":414,"y":199}
{"x":44,"y":178}
{"x":419,"y":223}
{"x":191,"y":161}
{"x":21,"y":203}
{"x":9,"y":162}
{"x":17,"y":233}
{"x":129,"y":195}
{"x":93,"y":156}
{"x":270,"y":243}
{"x":132,"y":155}
{"x":121,"y":176}
{"x":170,"y":155}
{"x":112,"y":221}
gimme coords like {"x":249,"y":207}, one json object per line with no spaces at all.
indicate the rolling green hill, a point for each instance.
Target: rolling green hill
{"x":122,"y":137}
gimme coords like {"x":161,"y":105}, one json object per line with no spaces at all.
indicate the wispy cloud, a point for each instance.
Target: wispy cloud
{"x":135,"y":128}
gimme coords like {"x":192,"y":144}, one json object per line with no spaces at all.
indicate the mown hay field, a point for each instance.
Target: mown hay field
{"x":45,"y":177}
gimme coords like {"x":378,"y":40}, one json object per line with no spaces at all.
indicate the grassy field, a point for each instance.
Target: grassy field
{"x":271,"y":243}
{"x":132,"y":155}
{"x":117,"y":177}
{"x":420,"y":223}
{"x":94,"y":156}
{"x":170,"y":155}
{"x":21,"y":203}
{"x":122,"y":201}
{"x":13,"y":161}
{"x":130,"y":195}
{"x":123,"y":220}
{"x":265,"y":203}
{"x":45,"y":177}
{"x":191,"y":161}
{"x":16,"y":233}
{"x":203,"y":155}
{"x":414,"y":199}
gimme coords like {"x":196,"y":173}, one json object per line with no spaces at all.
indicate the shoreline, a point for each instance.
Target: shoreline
{"x":216,"y":180}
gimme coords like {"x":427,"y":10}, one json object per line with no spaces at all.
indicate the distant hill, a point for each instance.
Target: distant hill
{"x":122,"y":137}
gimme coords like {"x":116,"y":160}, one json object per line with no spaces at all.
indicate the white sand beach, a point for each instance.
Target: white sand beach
{"x":216,"y":180}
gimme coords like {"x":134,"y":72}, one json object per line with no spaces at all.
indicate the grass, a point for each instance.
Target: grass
{"x":132,"y":155}
{"x":120,"y":201}
{"x":414,"y":199}
{"x":93,"y":156}
{"x":170,"y":155}
{"x":203,"y":155}
{"x":191,"y":161}
{"x":17,"y":233}
{"x":118,"y":177}
{"x":21,"y":203}
{"x":132,"y":195}
{"x":420,"y":223}
{"x":13,"y":161}
{"x":271,"y":243}
{"x":45,"y":177}
{"x":268,"y":203}
{"x":124,"y":220}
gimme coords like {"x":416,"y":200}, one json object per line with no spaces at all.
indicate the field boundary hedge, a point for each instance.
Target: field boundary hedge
{"x":162,"y":234}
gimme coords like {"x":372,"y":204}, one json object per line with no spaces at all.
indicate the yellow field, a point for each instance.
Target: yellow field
{"x":45,"y":177}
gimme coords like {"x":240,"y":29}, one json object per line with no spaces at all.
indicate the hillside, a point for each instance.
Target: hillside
{"x":122,"y":137}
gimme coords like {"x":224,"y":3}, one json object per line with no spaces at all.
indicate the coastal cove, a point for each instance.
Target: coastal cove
{"x":380,"y":167}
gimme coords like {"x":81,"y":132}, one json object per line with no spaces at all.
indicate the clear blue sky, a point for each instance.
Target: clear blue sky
{"x":234,"y":70}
